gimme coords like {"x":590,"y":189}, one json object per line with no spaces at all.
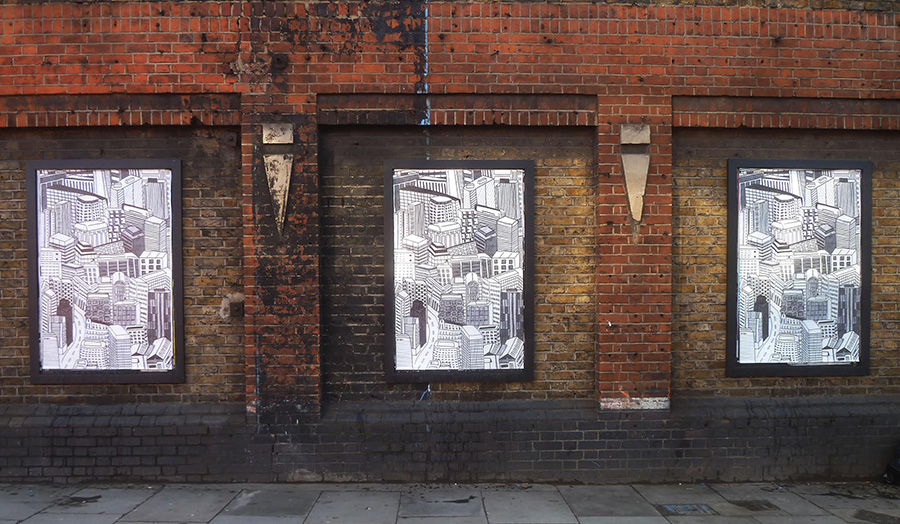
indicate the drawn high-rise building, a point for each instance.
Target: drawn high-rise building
{"x":419,"y":311}
{"x":508,"y":235}
{"x":64,"y":309}
{"x":480,"y":192}
{"x":452,"y":308}
{"x":128,"y":191}
{"x":125,"y":313}
{"x":761,"y":306}
{"x":65,"y":245}
{"x":133,"y":240}
{"x":478,"y":313}
{"x":763,"y":243}
{"x":119,"y":348}
{"x":846,"y":236}
{"x":825,"y":237}
{"x":488,"y":217}
{"x":59,"y":218}
{"x":156,"y":235}
{"x":98,"y":308}
{"x":445,"y":233}
{"x":810,"y":342}
{"x":446,"y":353}
{"x":151,"y":261}
{"x":411,"y":330}
{"x":490,"y":333}
{"x":94,"y":232}
{"x":159,"y":314}
{"x":848,"y":309}
{"x":154,"y":197}
{"x":135,"y":216}
{"x":511,"y":315}
{"x":792,"y":303}
{"x":512,"y":354}
{"x":49,"y":306}
{"x":486,"y":241}
{"x":787,"y":231}
{"x":442,"y":209}
{"x":827,"y":214}
{"x":419,"y":246}
{"x":508,"y":198}
{"x":471,"y":349}
{"x":843,"y":258}
{"x":845,"y":193}
{"x":403,"y":352}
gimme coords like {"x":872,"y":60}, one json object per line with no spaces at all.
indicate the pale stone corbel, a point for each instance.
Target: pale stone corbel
{"x":635,"y":149}
{"x":278,"y":168}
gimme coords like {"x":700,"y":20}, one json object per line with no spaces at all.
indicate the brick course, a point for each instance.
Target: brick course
{"x":722,"y":439}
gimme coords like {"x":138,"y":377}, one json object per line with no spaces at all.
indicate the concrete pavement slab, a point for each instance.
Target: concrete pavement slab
{"x":276,"y":501}
{"x":622,"y":520}
{"x":606,"y":501}
{"x":57,"y":518}
{"x":712,"y":519}
{"x":526,"y":507}
{"x":18,"y":501}
{"x":355,"y":507}
{"x":679,"y":494}
{"x":21,"y":510}
{"x":255,"y":519}
{"x":35,"y":492}
{"x":102,"y":501}
{"x":850,"y":496}
{"x":788,"y":502}
{"x":865,"y":516}
{"x":443,"y":520}
{"x":801,"y":519}
{"x":447,"y":502}
{"x":183,"y":503}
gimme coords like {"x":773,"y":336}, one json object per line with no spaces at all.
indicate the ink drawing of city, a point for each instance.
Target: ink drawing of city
{"x":104,"y":244}
{"x":458,"y":239}
{"x":798,"y":293}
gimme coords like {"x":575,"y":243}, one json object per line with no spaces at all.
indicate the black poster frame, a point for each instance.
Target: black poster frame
{"x":734,"y":366}
{"x":40,"y":375}
{"x":526,"y":373}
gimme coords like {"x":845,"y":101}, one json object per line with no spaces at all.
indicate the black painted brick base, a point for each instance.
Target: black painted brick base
{"x":569,"y":441}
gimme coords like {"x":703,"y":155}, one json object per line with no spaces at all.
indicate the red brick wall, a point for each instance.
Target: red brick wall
{"x":284,"y":58}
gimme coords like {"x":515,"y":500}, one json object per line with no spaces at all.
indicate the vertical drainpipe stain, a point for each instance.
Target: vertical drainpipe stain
{"x":426,"y":120}
{"x":258,"y":381}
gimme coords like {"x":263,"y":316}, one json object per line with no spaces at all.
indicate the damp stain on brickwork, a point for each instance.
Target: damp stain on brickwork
{"x":406,"y":22}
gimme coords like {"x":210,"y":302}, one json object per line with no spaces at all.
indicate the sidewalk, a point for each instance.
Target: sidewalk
{"x":450,"y":504}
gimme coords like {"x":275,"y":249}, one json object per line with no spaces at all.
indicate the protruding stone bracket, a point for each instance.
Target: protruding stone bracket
{"x":278,"y":173}
{"x":278,"y":134}
{"x":635,"y":147}
{"x":278,"y":165}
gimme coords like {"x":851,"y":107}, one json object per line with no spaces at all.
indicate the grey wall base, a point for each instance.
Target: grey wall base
{"x":568,"y":441}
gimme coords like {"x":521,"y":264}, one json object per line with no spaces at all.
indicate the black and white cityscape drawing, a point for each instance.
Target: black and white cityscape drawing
{"x":798,"y":266}
{"x":104,"y":264}
{"x":458,"y":270}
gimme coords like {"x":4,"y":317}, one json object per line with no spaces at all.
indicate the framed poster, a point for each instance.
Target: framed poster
{"x":459,"y":270}
{"x":799,"y":267}
{"x":105,"y":271}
